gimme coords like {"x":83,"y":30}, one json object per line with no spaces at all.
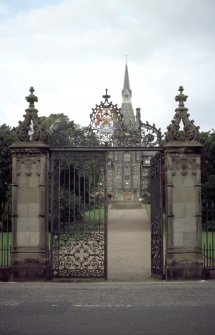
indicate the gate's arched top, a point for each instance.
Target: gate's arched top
{"x":190,"y":132}
{"x":30,"y":129}
{"x":106,"y":121}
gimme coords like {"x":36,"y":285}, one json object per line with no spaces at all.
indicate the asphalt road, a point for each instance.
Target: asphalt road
{"x":107,"y":308}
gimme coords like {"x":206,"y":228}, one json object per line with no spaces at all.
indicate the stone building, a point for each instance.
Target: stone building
{"x":124,"y":168}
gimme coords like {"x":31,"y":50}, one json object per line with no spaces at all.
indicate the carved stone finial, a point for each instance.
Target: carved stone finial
{"x":30,"y":129}
{"x":190,"y":132}
{"x":31,"y":98}
{"x":181,"y":98}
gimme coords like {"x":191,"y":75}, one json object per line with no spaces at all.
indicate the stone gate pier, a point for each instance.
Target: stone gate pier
{"x":30,"y":166}
{"x":182,"y":154}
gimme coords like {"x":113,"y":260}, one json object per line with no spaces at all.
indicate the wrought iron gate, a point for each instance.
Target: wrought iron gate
{"x":156,"y":182}
{"x":79,"y":181}
{"x":78,"y":214}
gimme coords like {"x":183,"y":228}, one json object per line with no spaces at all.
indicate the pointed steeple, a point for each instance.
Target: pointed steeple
{"x":126,"y":92}
{"x":127,"y":110}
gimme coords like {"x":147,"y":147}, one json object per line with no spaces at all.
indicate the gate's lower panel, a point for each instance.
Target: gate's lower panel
{"x":79,"y":255}
{"x":156,"y":216}
{"x":78,"y":216}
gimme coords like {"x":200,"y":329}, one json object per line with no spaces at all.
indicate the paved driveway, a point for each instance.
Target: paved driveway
{"x":129,"y":245}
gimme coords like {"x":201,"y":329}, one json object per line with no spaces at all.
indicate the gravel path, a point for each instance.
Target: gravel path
{"x":129,"y":249}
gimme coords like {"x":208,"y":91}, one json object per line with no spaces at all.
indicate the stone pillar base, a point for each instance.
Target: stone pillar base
{"x":29,"y":272}
{"x":184,"y":272}
{"x":29,"y":264}
{"x":184,"y":264}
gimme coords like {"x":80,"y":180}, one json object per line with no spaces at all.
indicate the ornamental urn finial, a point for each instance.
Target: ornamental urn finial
{"x":31,"y":98}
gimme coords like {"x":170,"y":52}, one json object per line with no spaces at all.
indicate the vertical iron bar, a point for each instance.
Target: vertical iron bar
{"x":161,"y":212}
{"x":206,"y":237}
{"x":2,"y":236}
{"x":105,"y":169}
{"x":212,"y":232}
{"x":79,"y":194}
{"x":59,"y":189}
{"x":74,"y":197}
{"x":84,"y":193}
{"x":51,"y":199}
{"x":89,"y":202}
{"x":69,"y":197}
{"x":94,"y":191}
{"x":7,"y":236}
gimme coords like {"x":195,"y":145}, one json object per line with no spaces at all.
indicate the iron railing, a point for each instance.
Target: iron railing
{"x":5,"y":234}
{"x":208,"y":234}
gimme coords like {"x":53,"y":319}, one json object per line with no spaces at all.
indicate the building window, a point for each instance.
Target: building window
{"x":127,"y":157}
{"x":119,"y":183}
{"x":134,"y":169}
{"x":127,"y":170}
{"x":136,"y":183}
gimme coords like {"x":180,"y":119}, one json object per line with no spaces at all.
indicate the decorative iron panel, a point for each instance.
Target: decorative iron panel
{"x":156,"y":216}
{"x":78,"y":215}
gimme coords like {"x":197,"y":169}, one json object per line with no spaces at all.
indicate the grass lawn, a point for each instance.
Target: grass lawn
{"x":208,"y":245}
{"x":208,"y":239}
{"x":148,"y":210}
{"x":95,"y":216}
{"x":5,"y":246}
{"x":80,"y":230}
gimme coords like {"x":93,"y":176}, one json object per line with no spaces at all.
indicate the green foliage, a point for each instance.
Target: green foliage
{"x":5,"y":246}
{"x":208,"y":188}
{"x":54,"y":120}
{"x":6,"y":140}
{"x":207,"y":139}
{"x":62,"y":131}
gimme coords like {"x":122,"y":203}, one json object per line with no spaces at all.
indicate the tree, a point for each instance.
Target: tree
{"x":208,"y":165}
{"x":6,"y":140}
{"x":53,"y":121}
{"x":62,"y":131}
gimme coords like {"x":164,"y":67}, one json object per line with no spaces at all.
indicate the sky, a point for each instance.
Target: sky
{"x":70,"y":51}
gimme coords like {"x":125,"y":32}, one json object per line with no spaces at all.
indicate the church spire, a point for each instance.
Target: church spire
{"x":127,"y":110}
{"x":126,"y":92}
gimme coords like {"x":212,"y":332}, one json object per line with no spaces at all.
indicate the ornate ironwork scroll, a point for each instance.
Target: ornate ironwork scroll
{"x":78,"y":215}
{"x":108,"y":125}
{"x":156,"y":216}
{"x":105,"y":120}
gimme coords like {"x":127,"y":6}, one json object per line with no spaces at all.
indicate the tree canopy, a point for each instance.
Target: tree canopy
{"x":5,"y":162}
{"x":208,"y":164}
